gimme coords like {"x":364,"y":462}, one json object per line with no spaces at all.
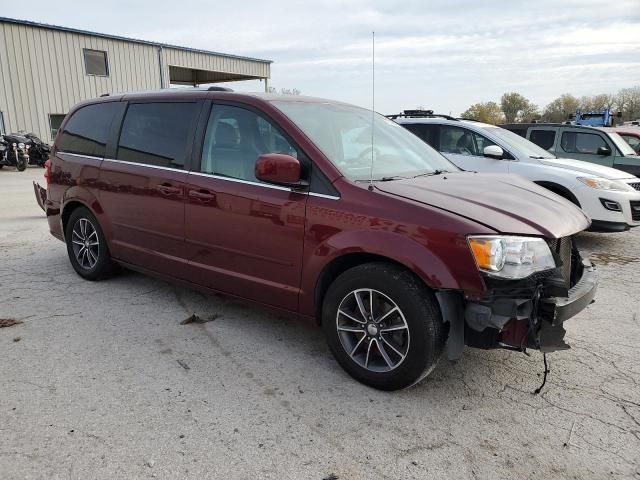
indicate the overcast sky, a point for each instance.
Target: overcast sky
{"x":440,"y":54}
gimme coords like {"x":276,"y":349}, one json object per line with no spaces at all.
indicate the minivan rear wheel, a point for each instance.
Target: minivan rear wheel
{"x":86,"y":246}
{"x":383,"y":326}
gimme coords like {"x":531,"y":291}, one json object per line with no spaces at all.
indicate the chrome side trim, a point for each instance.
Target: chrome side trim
{"x":207,"y":175}
{"x":136,"y":164}
{"x":322,"y":195}
{"x":79,"y":155}
{"x":246,"y":182}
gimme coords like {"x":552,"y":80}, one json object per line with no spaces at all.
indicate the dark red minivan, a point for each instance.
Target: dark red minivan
{"x":323,"y":210}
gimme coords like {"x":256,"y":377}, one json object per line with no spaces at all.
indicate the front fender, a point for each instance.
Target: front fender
{"x":442,"y":261}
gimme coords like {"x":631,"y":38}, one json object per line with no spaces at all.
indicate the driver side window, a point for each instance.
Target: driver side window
{"x":234,"y":140}
{"x":461,"y":141}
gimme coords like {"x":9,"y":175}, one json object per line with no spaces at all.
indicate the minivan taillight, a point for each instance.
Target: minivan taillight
{"x":47,"y":172}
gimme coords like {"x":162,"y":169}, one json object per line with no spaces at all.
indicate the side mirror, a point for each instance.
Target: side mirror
{"x":604,"y":151}
{"x":494,"y":151}
{"x":278,"y":169}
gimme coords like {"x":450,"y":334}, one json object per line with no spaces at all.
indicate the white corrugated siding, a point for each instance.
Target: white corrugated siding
{"x":42,"y":71}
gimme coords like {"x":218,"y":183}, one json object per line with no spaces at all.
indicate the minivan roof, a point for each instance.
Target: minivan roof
{"x":187,"y":94}
{"x":183,"y":93}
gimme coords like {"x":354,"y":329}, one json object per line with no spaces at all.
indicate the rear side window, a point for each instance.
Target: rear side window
{"x":424,"y":132}
{"x":522,"y":131}
{"x":157,"y":133}
{"x":87,"y":131}
{"x":586,"y":143}
{"x":543,"y":138}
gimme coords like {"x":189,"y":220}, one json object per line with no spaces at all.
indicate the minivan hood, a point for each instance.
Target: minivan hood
{"x":506,"y":203}
{"x":586,"y":167}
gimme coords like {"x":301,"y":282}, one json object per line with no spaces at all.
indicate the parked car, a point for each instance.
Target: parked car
{"x":590,"y":144}
{"x":610,"y":197}
{"x":254,"y":196}
{"x":631,"y":135}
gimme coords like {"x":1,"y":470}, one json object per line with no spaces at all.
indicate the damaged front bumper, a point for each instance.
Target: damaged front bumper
{"x":554,"y":311}
{"x":522,"y":314}
{"x":41,"y":195}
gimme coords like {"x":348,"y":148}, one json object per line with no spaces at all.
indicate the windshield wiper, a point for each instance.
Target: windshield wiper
{"x":430,"y":174}
{"x":389,"y":179}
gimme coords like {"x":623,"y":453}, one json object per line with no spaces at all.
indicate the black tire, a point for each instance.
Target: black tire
{"x":96,"y":264}
{"x":418,"y":310}
{"x":21,"y":165}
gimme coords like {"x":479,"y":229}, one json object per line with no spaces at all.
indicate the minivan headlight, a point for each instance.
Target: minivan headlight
{"x":603,"y":184}
{"x":511,"y":257}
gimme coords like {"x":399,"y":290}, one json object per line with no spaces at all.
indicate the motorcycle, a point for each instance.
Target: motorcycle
{"x":22,"y":149}
{"x":38,"y":150}
{"x":14,"y":153}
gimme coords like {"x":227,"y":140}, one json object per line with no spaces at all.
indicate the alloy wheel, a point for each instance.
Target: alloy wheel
{"x":372,"y":330}
{"x":86,"y":246}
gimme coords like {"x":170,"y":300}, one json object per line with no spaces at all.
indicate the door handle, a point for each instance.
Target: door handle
{"x":168,"y":189}
{"x":202,"y":195}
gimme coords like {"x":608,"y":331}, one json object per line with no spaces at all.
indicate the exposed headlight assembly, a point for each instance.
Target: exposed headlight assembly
{"x":604,"y":184}
{"x":511,"y":257}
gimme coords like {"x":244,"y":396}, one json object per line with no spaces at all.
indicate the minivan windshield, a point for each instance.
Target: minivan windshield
{"x":344,"y":134}
{"x":518,"y":144}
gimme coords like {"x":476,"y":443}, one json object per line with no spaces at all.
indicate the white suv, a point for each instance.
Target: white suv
{"x":610,"y":197}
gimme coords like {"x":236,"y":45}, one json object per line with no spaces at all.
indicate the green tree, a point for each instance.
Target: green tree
{"x":529,"y":114}
{"x":517,"y":108}
{"x":560,"y":108}
{"x":487,"y":112}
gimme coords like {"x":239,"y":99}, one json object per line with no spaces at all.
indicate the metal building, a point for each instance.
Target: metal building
{"x":46,"y":69}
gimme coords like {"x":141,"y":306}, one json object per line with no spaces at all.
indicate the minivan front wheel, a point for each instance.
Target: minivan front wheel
{"x":383,"y":325}
{"x":86,"y":246}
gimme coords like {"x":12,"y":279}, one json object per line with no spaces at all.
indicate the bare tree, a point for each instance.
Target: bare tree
{"x":290,"y":91}
{"x":628,"y":102}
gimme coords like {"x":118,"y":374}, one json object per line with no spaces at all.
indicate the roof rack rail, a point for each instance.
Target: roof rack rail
{"x":105,"y":95}
{"x":219,"y":89}
{"x":420,"y":114}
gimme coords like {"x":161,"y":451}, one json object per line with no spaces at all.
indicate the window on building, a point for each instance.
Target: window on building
{"x":586,"y":143}
{"x":95,"y":62}
{"x":235,"y":138}
{"x":543,"y":138}
{"x":2,"y":130}
{"x":157,"y":133}
{"x":55,"y":120}
{"x":87,"y":131}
